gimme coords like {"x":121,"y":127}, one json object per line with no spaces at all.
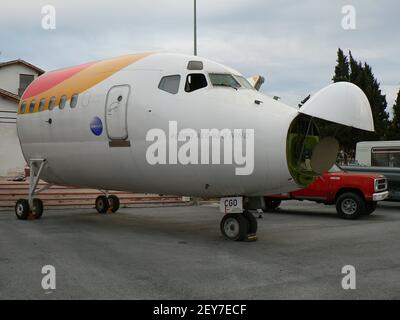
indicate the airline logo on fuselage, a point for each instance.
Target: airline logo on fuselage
{"x":96,"y":126}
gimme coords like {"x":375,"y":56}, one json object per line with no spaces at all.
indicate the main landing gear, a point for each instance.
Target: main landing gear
{"x":238,"y":223}
{"x":32,"y":208}
{"x":107,"y":204}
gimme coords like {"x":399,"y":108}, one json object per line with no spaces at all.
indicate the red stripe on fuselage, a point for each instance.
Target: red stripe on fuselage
{"x":51,"y":79}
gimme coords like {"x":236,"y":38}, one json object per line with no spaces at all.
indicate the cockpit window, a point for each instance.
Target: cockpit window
{"x":244,"y":83}
{"x":170,"y":84}
{"x":224,"y":80}
{"x":195,"y":81}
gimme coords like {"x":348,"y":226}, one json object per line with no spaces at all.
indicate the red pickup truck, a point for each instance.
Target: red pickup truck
{"x":354,"y":194}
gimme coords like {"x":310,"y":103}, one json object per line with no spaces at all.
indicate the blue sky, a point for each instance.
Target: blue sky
{"x":292,"y":43}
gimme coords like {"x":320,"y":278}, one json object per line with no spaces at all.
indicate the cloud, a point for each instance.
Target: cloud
{"x":292,"y":43}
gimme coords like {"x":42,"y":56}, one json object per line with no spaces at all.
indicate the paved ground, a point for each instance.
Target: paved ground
{"x":178,"y":253}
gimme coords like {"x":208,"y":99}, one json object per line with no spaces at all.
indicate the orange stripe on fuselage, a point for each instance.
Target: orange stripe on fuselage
{"x":75,"y":80}
{"x":51,"y":79}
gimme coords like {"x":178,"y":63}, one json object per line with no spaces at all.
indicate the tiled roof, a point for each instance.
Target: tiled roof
{"x":9,"y":95}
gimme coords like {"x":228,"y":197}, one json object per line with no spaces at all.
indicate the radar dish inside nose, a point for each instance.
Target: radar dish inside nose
{"x":310,"y":152}
{"x":324,"y":155}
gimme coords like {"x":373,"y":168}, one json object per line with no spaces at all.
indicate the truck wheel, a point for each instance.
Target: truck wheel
{"x":234,"y":226}
{"x":350,"y":206}
{"x":271,"y":204}
{"x":370,"y":207}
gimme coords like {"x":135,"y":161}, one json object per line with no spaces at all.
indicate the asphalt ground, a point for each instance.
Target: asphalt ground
{"x":179,"y":253}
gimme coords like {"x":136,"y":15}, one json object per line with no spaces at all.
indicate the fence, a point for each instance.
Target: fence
{"x":67,"y":197}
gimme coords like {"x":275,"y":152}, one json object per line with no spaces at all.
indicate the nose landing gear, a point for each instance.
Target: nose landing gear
{"x":239,"y":226}
{"x":238,"y":223}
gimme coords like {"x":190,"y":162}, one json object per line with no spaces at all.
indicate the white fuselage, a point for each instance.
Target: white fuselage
{"x":76,"y":156}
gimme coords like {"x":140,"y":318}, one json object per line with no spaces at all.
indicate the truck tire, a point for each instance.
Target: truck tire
{"x":350,"y":206}
{"x":271,"y":204}
{"x":370,"y":207}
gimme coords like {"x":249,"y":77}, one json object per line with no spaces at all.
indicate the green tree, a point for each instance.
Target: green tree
{"x":342,"y":71}
{"x":351,"y":70}
{"x":371,"y":87}
{"x":394,"y":129}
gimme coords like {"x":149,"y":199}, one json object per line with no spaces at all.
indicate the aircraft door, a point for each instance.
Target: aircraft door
{"x":116,"y":112}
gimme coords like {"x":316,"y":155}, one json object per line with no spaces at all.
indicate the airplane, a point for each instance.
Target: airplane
{"x":177,"y":124}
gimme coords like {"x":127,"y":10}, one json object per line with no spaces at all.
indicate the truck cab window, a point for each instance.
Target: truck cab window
{"x":170,"y":84}
{"x":195,"y":81}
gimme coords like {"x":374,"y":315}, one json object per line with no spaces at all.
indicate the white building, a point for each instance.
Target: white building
{"x":15,"y":76}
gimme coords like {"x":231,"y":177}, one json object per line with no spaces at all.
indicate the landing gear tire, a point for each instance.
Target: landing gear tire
{"x":234,"y":226}
{"x":253,"y":225}
{"x":37,"y":208}
{"x":114,"y":203}
{"x":22,"y":209}
{"x":370,"y":208}
{"x":350,"y":206}
{"x":102,"y":204}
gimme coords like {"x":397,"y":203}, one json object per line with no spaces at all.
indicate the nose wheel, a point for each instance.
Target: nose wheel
{"x":239,"y":226}
{"x":106,"y":204}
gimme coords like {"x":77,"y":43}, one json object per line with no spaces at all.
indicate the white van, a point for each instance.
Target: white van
{"x":378,"y":154}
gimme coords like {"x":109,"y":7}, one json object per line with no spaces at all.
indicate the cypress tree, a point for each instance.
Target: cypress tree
{"x":342,"y":68}
{"x":394,"y":130}
{"x":362,"y":76}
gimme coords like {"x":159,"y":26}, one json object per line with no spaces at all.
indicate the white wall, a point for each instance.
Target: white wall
{"x":9,"y":76}
{"x":11,"y":159}
{"x":8,"y":105}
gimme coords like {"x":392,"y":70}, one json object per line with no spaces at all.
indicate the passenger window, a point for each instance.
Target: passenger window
{"x":74,"y":101}
{"x":63,"y":100}
{"x":41,"y":104}
{"x":170,"y":84}
{"x":32,"y":106}
{"x":195,"y":81}
{"x":52,"y":103}
{"x":23,"y":107}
